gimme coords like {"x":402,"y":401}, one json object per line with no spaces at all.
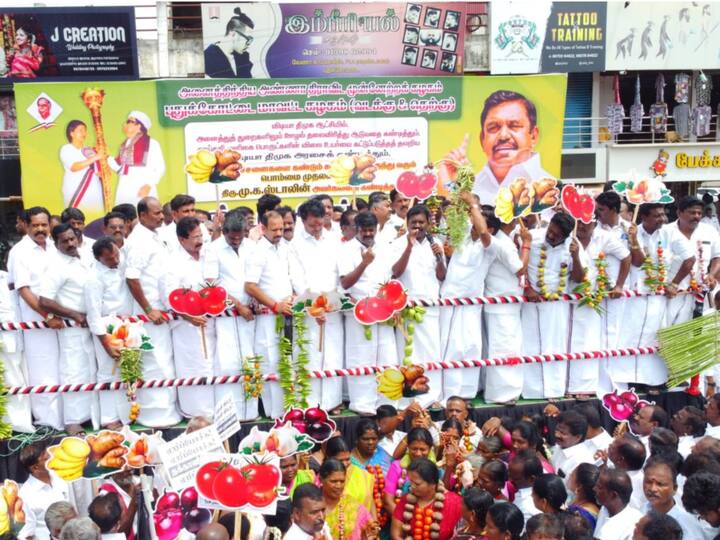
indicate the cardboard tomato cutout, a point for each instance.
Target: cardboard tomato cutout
{"x":579,"y":205}
{"x":211,"y":299}
{"x":420,"y":187}
{"x":390,"y":299}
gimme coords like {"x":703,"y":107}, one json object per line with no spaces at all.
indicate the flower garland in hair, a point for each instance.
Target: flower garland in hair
{"x":593,"y":299}
{"x":562,"y":282}
{"x":252,"y":377}
{"x":655,"y":273}
{"x":423,"y":524}
{"x":378,"y":490}
{"x":400,"y":484}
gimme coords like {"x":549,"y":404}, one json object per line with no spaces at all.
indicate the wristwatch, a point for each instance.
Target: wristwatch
{"x":49,"y":317}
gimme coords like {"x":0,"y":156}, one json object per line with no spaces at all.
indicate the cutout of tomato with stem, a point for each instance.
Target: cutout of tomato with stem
{"x":214,"y":298}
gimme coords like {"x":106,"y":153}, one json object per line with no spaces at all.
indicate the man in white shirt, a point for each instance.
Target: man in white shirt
{"x":308,"y":515}
{"x":523,"y":469}
{"x":115,"y":226}
{"x":363,"y":267}
{"x":313,"y":270}
{"x":62,"y":293}
{"x":570,"y":450}
{"x":193,"y":336}
{"x":389,"y":420}
{"x":701,"y":496}
{"x":265,"y":203}
{"x":656,"y":523}
{"x":181,"y":206}
{"x":617,"y":518}
{"x":107,"y":294}
{"x":267,"y":281}
{"x":628,"y":453}
{"x":508,"y":136}
{"x":57,"y":515}
{"x":555,"y":257}
{"x":420,"y":266}
{"x":712,"y":415}
{"x":39,"y":491}
{"x":596,"y":437}
{"x":105,"y":511}
{"x":689,"y":425}
{"x":225,"y":262}
{"x":400,"y":205}
{"x":76,"y":219}
{"x":388,"y":229}
{"x":27,"y":265}
{"x":147,"y":262}
{"x":645,"y":420}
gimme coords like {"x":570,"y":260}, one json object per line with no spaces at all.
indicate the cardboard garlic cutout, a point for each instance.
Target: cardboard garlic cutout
{"x":622,"y":407}
{"x":523,"y":197}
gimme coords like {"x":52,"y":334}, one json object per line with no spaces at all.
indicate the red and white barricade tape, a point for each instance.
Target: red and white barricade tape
{"x":344,"y":372}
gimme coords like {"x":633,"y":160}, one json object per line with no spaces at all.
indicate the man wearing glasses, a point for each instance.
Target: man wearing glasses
{"x":229,"y":58}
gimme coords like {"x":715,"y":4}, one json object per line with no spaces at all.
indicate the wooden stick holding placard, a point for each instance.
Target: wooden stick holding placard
{"x":635,"y":213}
{"x":237,"y":526}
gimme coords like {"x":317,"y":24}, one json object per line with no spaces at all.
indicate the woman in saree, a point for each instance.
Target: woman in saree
{"x":367,"y":454}
{"x":359,"y":483}
{"x":476,"y":503}
{"x":345,"y":517}
{"x":419,"y":443}
{"x":26,"y":57}
{"x":428,"y":508}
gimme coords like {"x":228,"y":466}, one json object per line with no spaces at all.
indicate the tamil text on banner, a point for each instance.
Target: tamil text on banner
{"x":262,"y":39}
{"x":547,"y":37}
{"x":289,"y":136}
{"x":83,"y":43}
{"x":662,"y":35}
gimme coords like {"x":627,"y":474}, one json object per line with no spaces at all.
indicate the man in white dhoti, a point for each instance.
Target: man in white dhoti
{"x":461,"y":326}
{"x":139,"y":164}
{"x":193,"y":336}
{"x":107,"y":294}
{"x":313,"y":270}
{"x":617,"y":518}
{"x":502,"y":323}
{"x":363,"y":267}
{"x":181,"y":206}
{"x":586,"y":332}
{"x":62,"y":293}
{"x":420,"y":266}
{"x":27,"y":265}
{"x":554,"y":257}
{"x":225,"y":261}
{"x":147,"y":263}
{"x":267,"y":281}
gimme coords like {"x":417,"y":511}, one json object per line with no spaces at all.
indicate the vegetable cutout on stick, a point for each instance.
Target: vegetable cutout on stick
{"x":639,"y":190}
{"x":578,"y":204}
{"x":95,"y":456}
{"x":523,"y":197}
{"x":313,"y":422}
{"x":420,"y":187}
{"x":622,"y":407}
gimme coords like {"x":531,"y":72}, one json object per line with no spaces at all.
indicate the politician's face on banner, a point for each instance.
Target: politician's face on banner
{"x":509,"y":133}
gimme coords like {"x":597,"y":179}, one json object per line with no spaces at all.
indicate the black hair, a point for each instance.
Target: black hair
{"x":420,"y":434}
{"x":361,"y":204}
{"x":365,"y":220}
{"x":228,"y":521}
{"x":547,"y":525}
{"x":266,"y":202}
{"x":57,"y":230}
{"x":530,"y":433}
{"x":574,"y":420}
{"x":72,"y":214}
{"x":394,"y":194}
{"x":244,"y":210}
{"x":268,"y":215}
{"x":551,"y":488}
{"x":72,"y":124}
{"x":283,"y":210}
{"x":497,"y":470}
{"x":576,"y":527}
{"x":306,"y":491}
{"x":234,"y":222}
{"x":688,"y":202}
{"x":661,"y":526}
{"x":619,"y":482}
{"x":662,"y":461}
{"x":376,"y":197}
{"x":237,"y":21}
{"x":507,"y":518}
{"x":427,"y":470}
{"x":128,"y":210}
{"x":366,"y":424}
{"x":591,"y":414}
{"x":313,"y":208}
{"x":347,"y":218}
{"x":609,"y":199}
{"x":659,"y":415}
{"x":34,"y":211}
{"x":564,"y":222}
{"x":531,"y":463}
{"x":186,"y":225}
{"x":586,"y":475}
{"x":102,"y":244}
{"x":478,"y":501}
{"x":662,"y":440}
{"x":695,"y":420}
{"x":418,"y":209}
{"x":31,"y":454}
{"x":105,"y":511}
{"x":696,"y":463}
{"x":633,"y":452}
{"x":493,"y":222}
{"x":203,"y":213}
{"x":502,"y":96}
{"x":647,"y":208}
{"x":385,"y":411}
{"x":701,"y":493}
{"x":322,"y":197}
{"x":113,"y":215}
{"x":334,"y":446}
{"x":330,"y":466}
{"x":180,"y":200}
{"x":143,"y":205}
{"x":452,"y":423}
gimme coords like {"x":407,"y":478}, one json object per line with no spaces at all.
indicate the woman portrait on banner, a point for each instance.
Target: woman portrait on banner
{"x":81,"y":185}
{"x":344,"y":515}
{"x":139,"y":164}
{"x":26,"y":57}
{"x":228,"y":58}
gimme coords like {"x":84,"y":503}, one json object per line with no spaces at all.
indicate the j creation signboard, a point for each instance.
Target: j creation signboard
{"x":68,"y":43}
{"x":547,"y":37}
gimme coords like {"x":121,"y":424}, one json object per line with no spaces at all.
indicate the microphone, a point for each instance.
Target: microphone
{"x":438,"y":256}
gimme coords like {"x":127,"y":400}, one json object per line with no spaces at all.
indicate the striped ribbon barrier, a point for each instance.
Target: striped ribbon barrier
{"x":436,"y":302}
{"x":343,"y":372}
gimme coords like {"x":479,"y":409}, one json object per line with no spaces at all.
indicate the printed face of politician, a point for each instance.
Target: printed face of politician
{"x":506,"y":136}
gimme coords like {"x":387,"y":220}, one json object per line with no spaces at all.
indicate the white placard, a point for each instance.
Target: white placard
{"x":225,"y":418}
{"x":182,"y":456}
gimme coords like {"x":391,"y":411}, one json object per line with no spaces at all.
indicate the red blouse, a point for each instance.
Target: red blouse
{"x":452,"y":512}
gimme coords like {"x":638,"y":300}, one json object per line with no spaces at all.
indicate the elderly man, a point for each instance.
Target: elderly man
{"x":617,"y":518}
{"x":308,"y":515}
{"x":225,"y":261}
{"x":80,"y":529}
{"x":27,"y":264}
{"x":147,"y":263}
{"x":62,"y":294}
{"x":57,"y":515}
